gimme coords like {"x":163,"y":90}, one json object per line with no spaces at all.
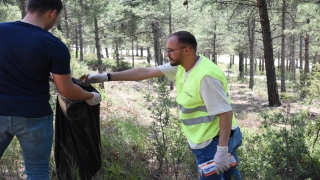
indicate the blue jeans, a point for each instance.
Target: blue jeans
{"x":35,"y":136}
{"x":207,"y":153}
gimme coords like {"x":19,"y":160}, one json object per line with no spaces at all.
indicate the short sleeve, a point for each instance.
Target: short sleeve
{"x":60,"y":56}
{"x":169,"y":71}
{"x":214,"y":96}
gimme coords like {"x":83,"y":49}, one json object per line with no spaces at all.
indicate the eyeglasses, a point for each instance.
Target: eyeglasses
{"x":171,"y":50}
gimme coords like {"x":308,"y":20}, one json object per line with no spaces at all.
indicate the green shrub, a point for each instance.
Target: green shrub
{"x":281,"y":151}
{"x":310,"y":84}
{"x":169,"y":145}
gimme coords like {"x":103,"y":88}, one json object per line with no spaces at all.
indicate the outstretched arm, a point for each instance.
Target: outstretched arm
{"x":136,"y":74}
{"x":127,"y":75}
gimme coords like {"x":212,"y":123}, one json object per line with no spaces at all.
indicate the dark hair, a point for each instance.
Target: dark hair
{"x":41,"y":6}
{"x":185,"y":37}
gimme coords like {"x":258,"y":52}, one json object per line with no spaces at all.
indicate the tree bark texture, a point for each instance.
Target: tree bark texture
{"x":22,"y":7}
{"x":132,"y":49}
{"x":283,"y":48}
{"x":107,"y":53}
{"x":306,"y":53}
{"x":241,"y":69}
{"x":293,"y":57}
{"x":251,"y":30}
{"x":141,"y":51}
{"x":77,"y":44}
{"x":315,"y":60}
{"x":117,"y":53}
{"x":214,"y":44}
{"x":300,"y":53}
{"x":66,"y":24}
{"x":148,"y":55}
{"x":98,"y":47}
{"x":273,"y":96}
{"x":80,"y":37}
{"x":156,"y":41}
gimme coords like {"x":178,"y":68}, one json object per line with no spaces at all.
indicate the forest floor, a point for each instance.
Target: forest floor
{"x":247,"y":104}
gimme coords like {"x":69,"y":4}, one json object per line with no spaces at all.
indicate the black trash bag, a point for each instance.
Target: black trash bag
{"x":77,"y":149}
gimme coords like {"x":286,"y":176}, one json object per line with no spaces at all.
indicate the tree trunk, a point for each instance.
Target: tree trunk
{"x":214,"y":48}
{"x":66,"y":24}
{"x":77,"y":44}
{"x":300,"y":53}
{"x":80,"y":37}
{"x":107,"y":53}
{"x":283,"y":48}
{"x":117,"y":53}
{"x":293,"y":58}
{"x":273,"y":96}
{"x":22,"y":7}
{"x":148,"y":55}
{"x":214,"y":44}
{"x":306,"y":53}
{"x":156,"y":41}
{"x":315,"y":60}
{"x":98,"y":47}
{"x":262,"y":63}
{"x":170,"y":32}
{"x":241,"y":73}
{"x":279,"y":61}
{"x":141,"y":51}
{"x":132,"y":49}
{"x":230,"y":65}
{"x":251,"y":28}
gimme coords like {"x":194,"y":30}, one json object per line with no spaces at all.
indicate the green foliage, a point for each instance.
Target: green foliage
{"x":310,"y":84}
{"x":123,"y":147}
{"x":169,"y":145}
{"x":91,"y":61}
{"x":78,"y":69}
{"x":282,"y":150}
{"x":59,"y":35}
{"x":9,"y":13}
{"x":11,"y":163}
{"x":123,"y":65}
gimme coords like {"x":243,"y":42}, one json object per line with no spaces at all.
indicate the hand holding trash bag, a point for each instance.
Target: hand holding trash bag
{"x":95,"y":100}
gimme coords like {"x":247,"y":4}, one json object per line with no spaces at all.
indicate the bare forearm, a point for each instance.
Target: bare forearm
{"x":225,"y":128}
{"x":136,"y":74}
{"x":74,"y":92}
{"x":68,"y":89}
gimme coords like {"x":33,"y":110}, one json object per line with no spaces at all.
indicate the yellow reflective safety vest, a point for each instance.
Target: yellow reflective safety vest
{"x":197,"y":125}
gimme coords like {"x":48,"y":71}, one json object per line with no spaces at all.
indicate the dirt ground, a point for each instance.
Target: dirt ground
{"x":248,"y":105}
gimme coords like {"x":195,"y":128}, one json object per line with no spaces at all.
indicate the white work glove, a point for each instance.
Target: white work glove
{"x":98,"y":78}
{"x":95,"y":100}
{"x":221,"y":159}
{"x":93,"y":78}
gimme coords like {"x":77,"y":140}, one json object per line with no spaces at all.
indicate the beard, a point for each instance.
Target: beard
{"x":175,"y":63}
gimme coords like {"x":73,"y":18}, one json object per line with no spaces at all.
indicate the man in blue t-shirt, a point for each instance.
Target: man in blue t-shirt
{"x":28,"y":53}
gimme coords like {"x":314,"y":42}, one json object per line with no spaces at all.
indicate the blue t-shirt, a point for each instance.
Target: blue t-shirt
{"x":27,"y":55}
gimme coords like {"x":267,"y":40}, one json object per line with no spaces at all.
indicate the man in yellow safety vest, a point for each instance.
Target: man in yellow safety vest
{"x":206,"y":114}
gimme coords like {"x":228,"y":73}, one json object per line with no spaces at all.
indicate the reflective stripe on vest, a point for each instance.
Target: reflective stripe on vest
{"x":198,"y":120}
{"x":188,"y":110}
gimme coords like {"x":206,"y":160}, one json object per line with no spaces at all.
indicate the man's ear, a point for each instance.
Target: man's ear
{"x":53,"y":13}
{"x":188,"y":50}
